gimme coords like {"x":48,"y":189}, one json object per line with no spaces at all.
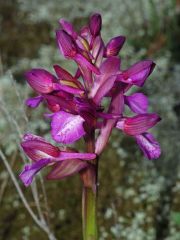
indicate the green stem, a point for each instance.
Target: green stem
{"x":89,"y":205}
{"x":89,"y":195}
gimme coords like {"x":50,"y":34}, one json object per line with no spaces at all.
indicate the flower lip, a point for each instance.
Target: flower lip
{"x":34,"y":102}
{"x":31,"y":170}
{"x":149,"y":146}
{"x":66,"y":127}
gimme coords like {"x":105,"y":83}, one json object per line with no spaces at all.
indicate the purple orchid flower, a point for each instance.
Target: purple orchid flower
{"x":76,"y":106}
{"x":45,"y":154}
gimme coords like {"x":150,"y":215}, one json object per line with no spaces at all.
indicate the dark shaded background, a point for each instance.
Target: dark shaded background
{"x":138,"y":199}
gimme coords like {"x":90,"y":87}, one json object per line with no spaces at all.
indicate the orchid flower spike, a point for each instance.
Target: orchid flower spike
{"x":76,"y":103}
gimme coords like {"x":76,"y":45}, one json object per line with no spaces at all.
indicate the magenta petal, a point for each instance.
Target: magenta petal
{"x":140,"y":123}
{"x":30,"y":171}
{"x":99,"y":58}
{"x":66,"y":127}
{"x":97,"y":45}
{"x":68,"y":89}
{"x":108,"y":115}
{"x":137,"y":102}
{"x":114,"y":46}
{"x":95,"y":24}
{"x":34,"y":102}
{"x":116,"y":107}
{"x":81,"y":60}
{"x":57,"y":102}
{"x":104,"y":82}
{"x":66,"y":44}
{"x":104,"y":89}
{"x":86,"y":34}
{"x":63,"y":74}
{"x":68,"y":27}
{"x":37,"y":148}
{"x":138,"y":73}
{"x":30,"y":136}
{"x":75,"y":155}
{"x":66,"y":168}
{"x":40,"y":80}
{"x":149,"y":146}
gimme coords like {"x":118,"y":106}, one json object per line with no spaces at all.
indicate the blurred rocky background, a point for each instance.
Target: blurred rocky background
{"x":138,"y":199}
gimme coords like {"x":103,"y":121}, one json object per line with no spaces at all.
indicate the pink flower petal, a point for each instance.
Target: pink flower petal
{"x":57,"y":102}
{"x":40,"y":80}
{"x":95,"y":24}
{"x":65,"y":75}
{"x":68,"y":27}
{"x":137,"y":73}
{"x":66,"y":44}
{"x":137,"y":102}
{"x":104,"y":82}
{"x":138,"y":124}
{"x":65,"y":155}
{"x":31,"y":170}
{"x":114,"y":46}
{"x":34,"y":102}
{"x":86,"y":34}
{"x":104,"y":89}
{"x":149,"y":146}
{"x":67,"y":128}
{"x":66,"y":169}
{"x":116,"y":107}
{"x":37,"y":148}
{"x":81,"y":60}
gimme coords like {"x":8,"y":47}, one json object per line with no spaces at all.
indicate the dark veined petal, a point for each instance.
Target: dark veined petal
{"x":114,"y":46}
{"x":66,"y":128}
{"x":63,"y":74}
{"x":40,"y":80}
{"x":37,"y":148}
{"x":34,"y":102}
{"x":68,"y":27}
{"x":137,"y":73}
{"x":31,"y":170}
{"x":95,"y":24}
{"x":66,"y":168}
{"x":149,"y":146}
{"x":137,"y":102}
{"x":138,"y":124}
